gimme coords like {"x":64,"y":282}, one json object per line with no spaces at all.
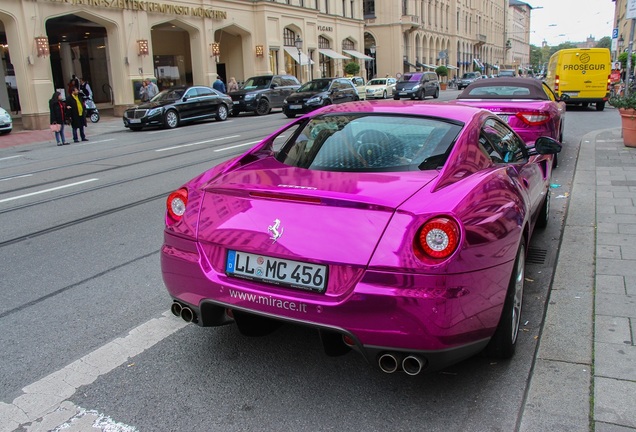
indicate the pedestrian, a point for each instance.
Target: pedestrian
{"x":75,"y":107}
{"x":85,"y":89}
{"x":151,"y":88}
{"x":57,"y":117}
{"x":143,"y":91}
{"x":218,"y":84}
{"x":232,"y":85}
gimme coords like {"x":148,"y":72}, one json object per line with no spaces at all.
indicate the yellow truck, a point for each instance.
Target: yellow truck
{"x":581,"y":76}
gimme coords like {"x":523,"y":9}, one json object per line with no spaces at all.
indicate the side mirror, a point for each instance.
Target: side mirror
{"x":547,"y":145}
{"x":273,"y":86}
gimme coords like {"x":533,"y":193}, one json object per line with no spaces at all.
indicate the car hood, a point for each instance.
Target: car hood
{"x":406,"y":85}
{"x":377,"y":87}
{"x":303,"y":96}
{"x":244,"y":92}
{"x":152,"y":104}
{"x":323,"y":216}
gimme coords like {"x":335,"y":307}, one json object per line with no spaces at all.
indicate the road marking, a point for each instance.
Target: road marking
{"x":43,"y":400}
{"x":16,"y":177}
{"x":236,"y":146}
{"x":47,"y":190}
{"x":196,"y":143}
{"x":92,"y":142}
{"x":10,"y":157}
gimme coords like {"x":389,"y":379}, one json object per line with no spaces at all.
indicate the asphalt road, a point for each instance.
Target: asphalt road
{"x":87,"y":336}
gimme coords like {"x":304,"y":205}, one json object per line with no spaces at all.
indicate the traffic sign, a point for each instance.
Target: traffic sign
{"x":615,"y":33}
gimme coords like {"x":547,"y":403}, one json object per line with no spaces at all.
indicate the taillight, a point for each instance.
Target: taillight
{"x":533,"y":118}
{"x":438,"y":238}
{"x":176,"y":204}
{"x":609,"y":82}
{"x":556,"y":83}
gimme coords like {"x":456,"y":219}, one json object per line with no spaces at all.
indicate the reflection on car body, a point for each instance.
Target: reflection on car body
{"x":385,"y":225}
{"x":178,"y":105}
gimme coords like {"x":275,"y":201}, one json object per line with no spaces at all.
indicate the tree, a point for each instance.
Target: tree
{"x":604,"y":42}
{"x":352,"y":68}
{"x":441,"y":71}
{"x":623,"y":59}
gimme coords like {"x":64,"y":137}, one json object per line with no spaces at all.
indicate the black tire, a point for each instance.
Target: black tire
{"x":235,"y":113}
{"x":436,"y":95}
{"x":555,"y":160}
{"x":384,"y":95}
{"x":95,"y":117}
{"x":422,"y":94}
{"x":135,"y":129}
{"x":222,"y":113}
{"x":290,"y":115}
{"x":263,"y":107}
{"x":396,"y":98}
{"x":503,"y":343}
{"x":171,"y":119}
{"x":544,"y":213}
{"x":600,"y":106}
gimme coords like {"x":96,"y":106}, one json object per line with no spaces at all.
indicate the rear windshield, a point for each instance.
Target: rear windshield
{"x":369,"y":142}
{"x":495,"y":91}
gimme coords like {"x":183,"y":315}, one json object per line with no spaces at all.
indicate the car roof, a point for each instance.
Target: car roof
{"x":533,"y":86}
{"x":448,"y":110}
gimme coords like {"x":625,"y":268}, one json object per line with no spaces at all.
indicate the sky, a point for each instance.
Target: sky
{"x":558,"y":21}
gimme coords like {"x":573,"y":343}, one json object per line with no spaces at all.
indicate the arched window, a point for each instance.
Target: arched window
{"x":325,"y":62}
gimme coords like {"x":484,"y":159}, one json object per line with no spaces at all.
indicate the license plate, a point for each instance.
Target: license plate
{"x":236,"y":102}
{"x":277,"y":271}
{"x":134,"y":120}
{"x":402,"y":93}
{"x":571,"y":94}
{"x":295,"y":107}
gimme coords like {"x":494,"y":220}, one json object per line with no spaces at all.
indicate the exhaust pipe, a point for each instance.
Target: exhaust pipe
{"x":176,"y":309}
{"x":389,"y":362}
{"x":186,"y":314}
{"x":412,"y":365}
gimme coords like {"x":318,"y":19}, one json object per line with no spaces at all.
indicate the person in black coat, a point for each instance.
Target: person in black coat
{"x":77,"y":110}
{"x":57,"y":116}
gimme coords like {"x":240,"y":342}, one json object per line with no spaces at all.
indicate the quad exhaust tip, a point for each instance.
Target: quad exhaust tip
{"x":184,"y":312}
{"x":393,"y":362}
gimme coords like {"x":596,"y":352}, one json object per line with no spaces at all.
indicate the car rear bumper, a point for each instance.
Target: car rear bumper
{"x":444,"y":318}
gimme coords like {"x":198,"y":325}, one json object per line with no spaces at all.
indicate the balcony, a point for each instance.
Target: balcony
{"x":410,"y":22}
{"x":481,"y":40}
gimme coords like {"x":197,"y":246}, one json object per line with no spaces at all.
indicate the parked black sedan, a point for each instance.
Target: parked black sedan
{"x":318,"y":93}
{"x":178,"y":105}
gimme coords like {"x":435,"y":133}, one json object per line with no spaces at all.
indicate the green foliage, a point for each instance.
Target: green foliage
{"x":441,"y":71}
{"x":625,"y":102}
{"x":623,"y":59}
{"x":604,"y":42}
{"x":352,"y":68}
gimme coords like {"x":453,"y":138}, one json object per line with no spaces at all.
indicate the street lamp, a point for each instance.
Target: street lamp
{"x":299,"y":45}
{"x":372,"y":51}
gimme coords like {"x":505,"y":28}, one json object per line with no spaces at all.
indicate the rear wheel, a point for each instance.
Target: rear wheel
{"x":221,"y":113}
{"x":503,"y":342}
{"x":171,"y":119}
{"x":263,"y":107}
{"x":436,"y":95}
{"x":384,"y":95}
{"x":94,"y":116}
{"x":600,"y":106}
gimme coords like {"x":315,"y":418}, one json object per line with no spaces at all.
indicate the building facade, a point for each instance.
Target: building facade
{"x":115,"y":44}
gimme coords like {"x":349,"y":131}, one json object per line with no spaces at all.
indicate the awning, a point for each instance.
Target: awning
{"x":332,"y":54}
{"x":478,"y":63}
{"x":293,"y":53}
{"x":452,"y":67}
{"x":407,"y":63}
{"x":430,"y":66}
{"x":424,"y":65}
{"x":357,"y":54}
{"x":495,"y":66}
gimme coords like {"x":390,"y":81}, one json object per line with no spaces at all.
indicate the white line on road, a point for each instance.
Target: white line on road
{"x":197,"y":143}
{"x":10,"y":157}
{"x":47,"y":190}
{"x":16,"y":177}
{"x":92,"y":142}
{"x":42,"y":400}
{"x":236,"y":146}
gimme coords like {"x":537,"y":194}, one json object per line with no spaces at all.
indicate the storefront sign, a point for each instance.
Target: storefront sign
{"x":323,"y":28}
{"x":149,"y":6}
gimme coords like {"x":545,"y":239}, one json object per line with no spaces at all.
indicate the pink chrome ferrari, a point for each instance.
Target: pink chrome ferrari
{"x":528,"y":105}
{"x":397,"y":229}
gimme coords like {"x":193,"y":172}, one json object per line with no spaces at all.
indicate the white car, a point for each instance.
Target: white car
{"x":6,"y":122}
{"x":380,"y":88}
{"x":358,"y":83}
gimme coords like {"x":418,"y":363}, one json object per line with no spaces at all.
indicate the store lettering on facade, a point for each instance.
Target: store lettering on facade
{"x":149,"y":6}
{"x":325,"y":28}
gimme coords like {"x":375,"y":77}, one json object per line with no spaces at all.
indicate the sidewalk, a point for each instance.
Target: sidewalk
{"x":584,"y":378}
{"x":19,"y":136}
